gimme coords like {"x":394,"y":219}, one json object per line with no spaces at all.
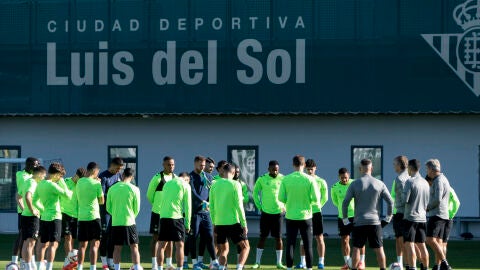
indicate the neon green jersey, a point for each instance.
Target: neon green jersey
{"x":453,"y":204}
{"x":21,"y":177}
{"x":49,"y":194}
{"x":69,"y":206}
{"x":176,"y":200}
{"x":123,"y":203}
{"x":30,"y":185}
{"x":338,"y":192}
{"x":155,"y":187}
{"x":226,"y":205}
{"x":299,"y":192}
{"x":88,"y":192}
{"x":393,"y":194}
{"x":323,"y":188}
{"x":265,"y":194}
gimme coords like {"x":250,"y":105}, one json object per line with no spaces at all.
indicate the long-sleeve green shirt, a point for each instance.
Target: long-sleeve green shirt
{"x":338,"y":192}
{"x":123,"y":203}
{"x":49,"y":194}
{"x":265,"y":194}
{"x":176,"y":200}
{"x":155,"y":187}
{"x":323,"y":188}
{"x":226,"y":205}
{"x":299,"y":192}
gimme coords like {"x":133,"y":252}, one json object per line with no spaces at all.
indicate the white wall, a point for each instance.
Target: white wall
{"x":327,"y":139}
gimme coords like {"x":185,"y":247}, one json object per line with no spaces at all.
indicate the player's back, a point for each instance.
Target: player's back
{"x":416,"y":196}
{"x":123,"y":203}
{"x":49,"y":193}
{"x":367,"y":192}
{"x":88,"y":192}
{"x":225,"y":198}
{"x":299,"y":192}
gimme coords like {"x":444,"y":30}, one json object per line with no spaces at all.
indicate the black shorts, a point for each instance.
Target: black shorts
{"x":154,"y":223}
{"x":69,"y":226}
{"x":89,"y":230}
{"x":414,"y":231}
{"x":172,"y":230}
{"x":233,"y":232}
{"x":19,"y":222}
{"x":398,"y":225}
{"x":317,"y":223}
{"x":124,"y":235}
{"x":446,"y":232}
{"x":30,"y":227}
{"x":372,"y":233}
{"x":436,"y":227}
{"x":345,"y":229}
{"x":50,"y":231}
{"x":271,"y":224}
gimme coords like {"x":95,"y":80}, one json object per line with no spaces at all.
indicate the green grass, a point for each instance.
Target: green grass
{"x":461,"y":254}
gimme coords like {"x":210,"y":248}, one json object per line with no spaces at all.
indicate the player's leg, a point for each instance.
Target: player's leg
{"x":132,"y":241}
{"x":317,"y":223}
{"x":446,"y":235}
{"x":206,"y":234}
{"x":94,"y":246}
{"x":54,"y":237}
{"x":305,"y":228}
{"x":110,"y":244}
{"x":264,"y":232}
{"x":222,"y":244}
{"x":117,"y":256}
{"x":409,"y":235}
{"x":276,"y":233}
{"x":161,"y":253}
{"x":435,"y":230}
{"x":135,"y":255}
{"x":17,"y":244}
{"x":96,"y":232}
{"x":359,"y":237}
{"x":398,"y":230}
{"x":169,"y":253}
{"x":44,"y":241}
{"x":67,"y":237}
{"x":292,"y":231}
{"x":374,"y":235}
{"x":104,"y":237}
{"x":192,"y":239}
{"x":236,"y":233}
{"x":154,"y":228}
{"x":179,"y":254}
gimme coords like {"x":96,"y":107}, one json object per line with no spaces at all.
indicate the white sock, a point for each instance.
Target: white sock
{"x":321,"y":260}
{"x":33,"y":266}
{"x":110,"y":261}
{"x":346,"y":258}
{"x":200,"y":259}
{"x":194,"y":261}
{"x":117,"y":266}
{"x":179,"y":268}
{"x":93,"y":267}
{"x":104,"y":260}
{"x":279,"y":256}
{"x":239,"y":267}
{"x":258,"y":259}
{"x":27,"y":266}
{"x":309,"y":268}
{"x":400,"y":260}
{"x":302,"y":260}
{"x":49,"y":266}
{"x":40,"y":265}
{"x":15,"y":259}
{"x":160,"y":267}
{"x":362,"y":257}
{"x":66,"y":261}
{"x":185,"y":259}
{"x":80,"y":267}
{"x":221,"y":267}
{"x":154,"y":263}
{"x":137,"y":267}
{"x":33,"y":258}
{"x":289,"y":268}
{"x":168,"y":261}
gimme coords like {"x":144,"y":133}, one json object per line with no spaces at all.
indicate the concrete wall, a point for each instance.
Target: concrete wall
{"x":327,"y":139}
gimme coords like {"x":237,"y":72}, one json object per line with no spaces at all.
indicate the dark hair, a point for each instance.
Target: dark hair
{"x":236,"y":166}
{"x":273,"y":163}
{"x":117,"y":161}
{"x":167,"y":158}
{"x":402,"y":161}
{"x":184,"y":174}
{"x":56,"y":168}
{"x":128,"y":172}
{"x":227,"y":167}
{"x":210,"y":160}
{"x":343,"y":170}
{"x":310,"y":163}
{"x":30,"y":163}
{"x":414,"y":164}
{"x":39,"y":169}
{"x":221,"y":164}
{"x":365,"y":162}
{"x":81,"y":172}
{"x":199,"y":159}
{"x":298,"y":161}
{"x":92,"y":166}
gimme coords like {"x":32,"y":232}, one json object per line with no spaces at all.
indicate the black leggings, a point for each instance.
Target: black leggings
{"x":305,"y":228}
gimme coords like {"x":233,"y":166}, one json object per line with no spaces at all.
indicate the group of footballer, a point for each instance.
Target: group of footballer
{"x":100,"y":209}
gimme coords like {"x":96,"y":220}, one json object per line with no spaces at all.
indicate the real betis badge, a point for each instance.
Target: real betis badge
{"x":461,"y":51}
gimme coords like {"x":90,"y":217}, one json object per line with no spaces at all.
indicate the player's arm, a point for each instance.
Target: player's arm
{"x":246,"y":196}
{"x":257,"y":189}
{"x":282,"y":193}
{"x":212,"y":201}
{"x":19,"y":200}
{"x":239,"y":205}
{"x":187,"y":206}
{"x":152,"y":186}
{"x":323,"y":193}
{"x":38,"y":204}
{"x":334,"y":196}
{"x":63,"y":189}
{"x":29,"y":202}
{"x":109,"y":204}
{"x":346,"y":201}
{"x":100,"y":197}
{"x":388,"y":199}
{"x":407,"y":190}
{"x":315,"y":197}
{"x":136,"y":202}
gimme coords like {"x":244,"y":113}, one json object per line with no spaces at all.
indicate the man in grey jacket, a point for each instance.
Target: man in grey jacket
{"x":400,"y":164}
{"x":368,"y":193}
{"x":416,"y":195}
{"x":438,"y":212}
